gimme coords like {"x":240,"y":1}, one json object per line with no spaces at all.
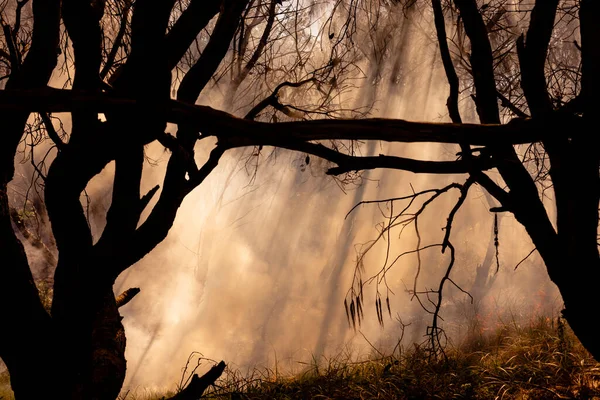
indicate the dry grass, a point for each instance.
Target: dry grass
{"x":541,"y":360}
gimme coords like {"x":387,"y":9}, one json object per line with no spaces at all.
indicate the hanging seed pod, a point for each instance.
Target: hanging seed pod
{"x":353,"y":314}
{"x":358,"y":309}
{"x":347,"y":312}
{"x":361,"y":289}
{"x":496,"y":242}
{"x":387,"y":302}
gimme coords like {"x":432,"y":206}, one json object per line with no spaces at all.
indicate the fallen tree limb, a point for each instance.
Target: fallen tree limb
{"x":198,"y":385}
{"x":212,"y":122}
{"x":126,"y":296}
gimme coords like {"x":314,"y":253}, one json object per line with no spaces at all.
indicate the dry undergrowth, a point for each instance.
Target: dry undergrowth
{"x":542,"y":360}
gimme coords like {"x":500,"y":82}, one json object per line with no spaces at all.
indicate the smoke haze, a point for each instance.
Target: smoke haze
{"x":258,"y":263}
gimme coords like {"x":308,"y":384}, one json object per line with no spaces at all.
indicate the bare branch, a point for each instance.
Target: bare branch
{"x":161,"y":219}
{"x":124,"y":212}
{"x":41,"y":58}
{"x":147,"y":197}
{"x":118,"y":40}
{"x":272,"y":100}
{"x":198,"y":76}
{"x":590,"y":55}
{"x":51,"y":131}
{"x":15,"y":64}
{"x":511,"y":106}
{"x":82,"y":20}
{"x":464,"y":190}
{"x":191,"y":22}
{"x":261,"y":44}
{"x":481,"y":61}
{"x":126,"y":296}
{"x":440,"y":27}
{"x":219,"y":123}
{"x":532,"y":53}
{"x":525,"y":258}
{"x":347,"y":163}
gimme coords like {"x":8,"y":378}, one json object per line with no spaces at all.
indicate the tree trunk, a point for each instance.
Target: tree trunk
{"x":577,"y":226}
{"x":579,"y":289}
{"x":22,"y":346}
{"x":108,"y":354}
{"x":94,"y":351}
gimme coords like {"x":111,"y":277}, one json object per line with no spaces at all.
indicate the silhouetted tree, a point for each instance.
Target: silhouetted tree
{"x":122,"y":55}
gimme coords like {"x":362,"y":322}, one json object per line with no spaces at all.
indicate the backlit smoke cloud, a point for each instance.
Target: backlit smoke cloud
{"x":257,"y":266}
{"x":258,"y":263}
